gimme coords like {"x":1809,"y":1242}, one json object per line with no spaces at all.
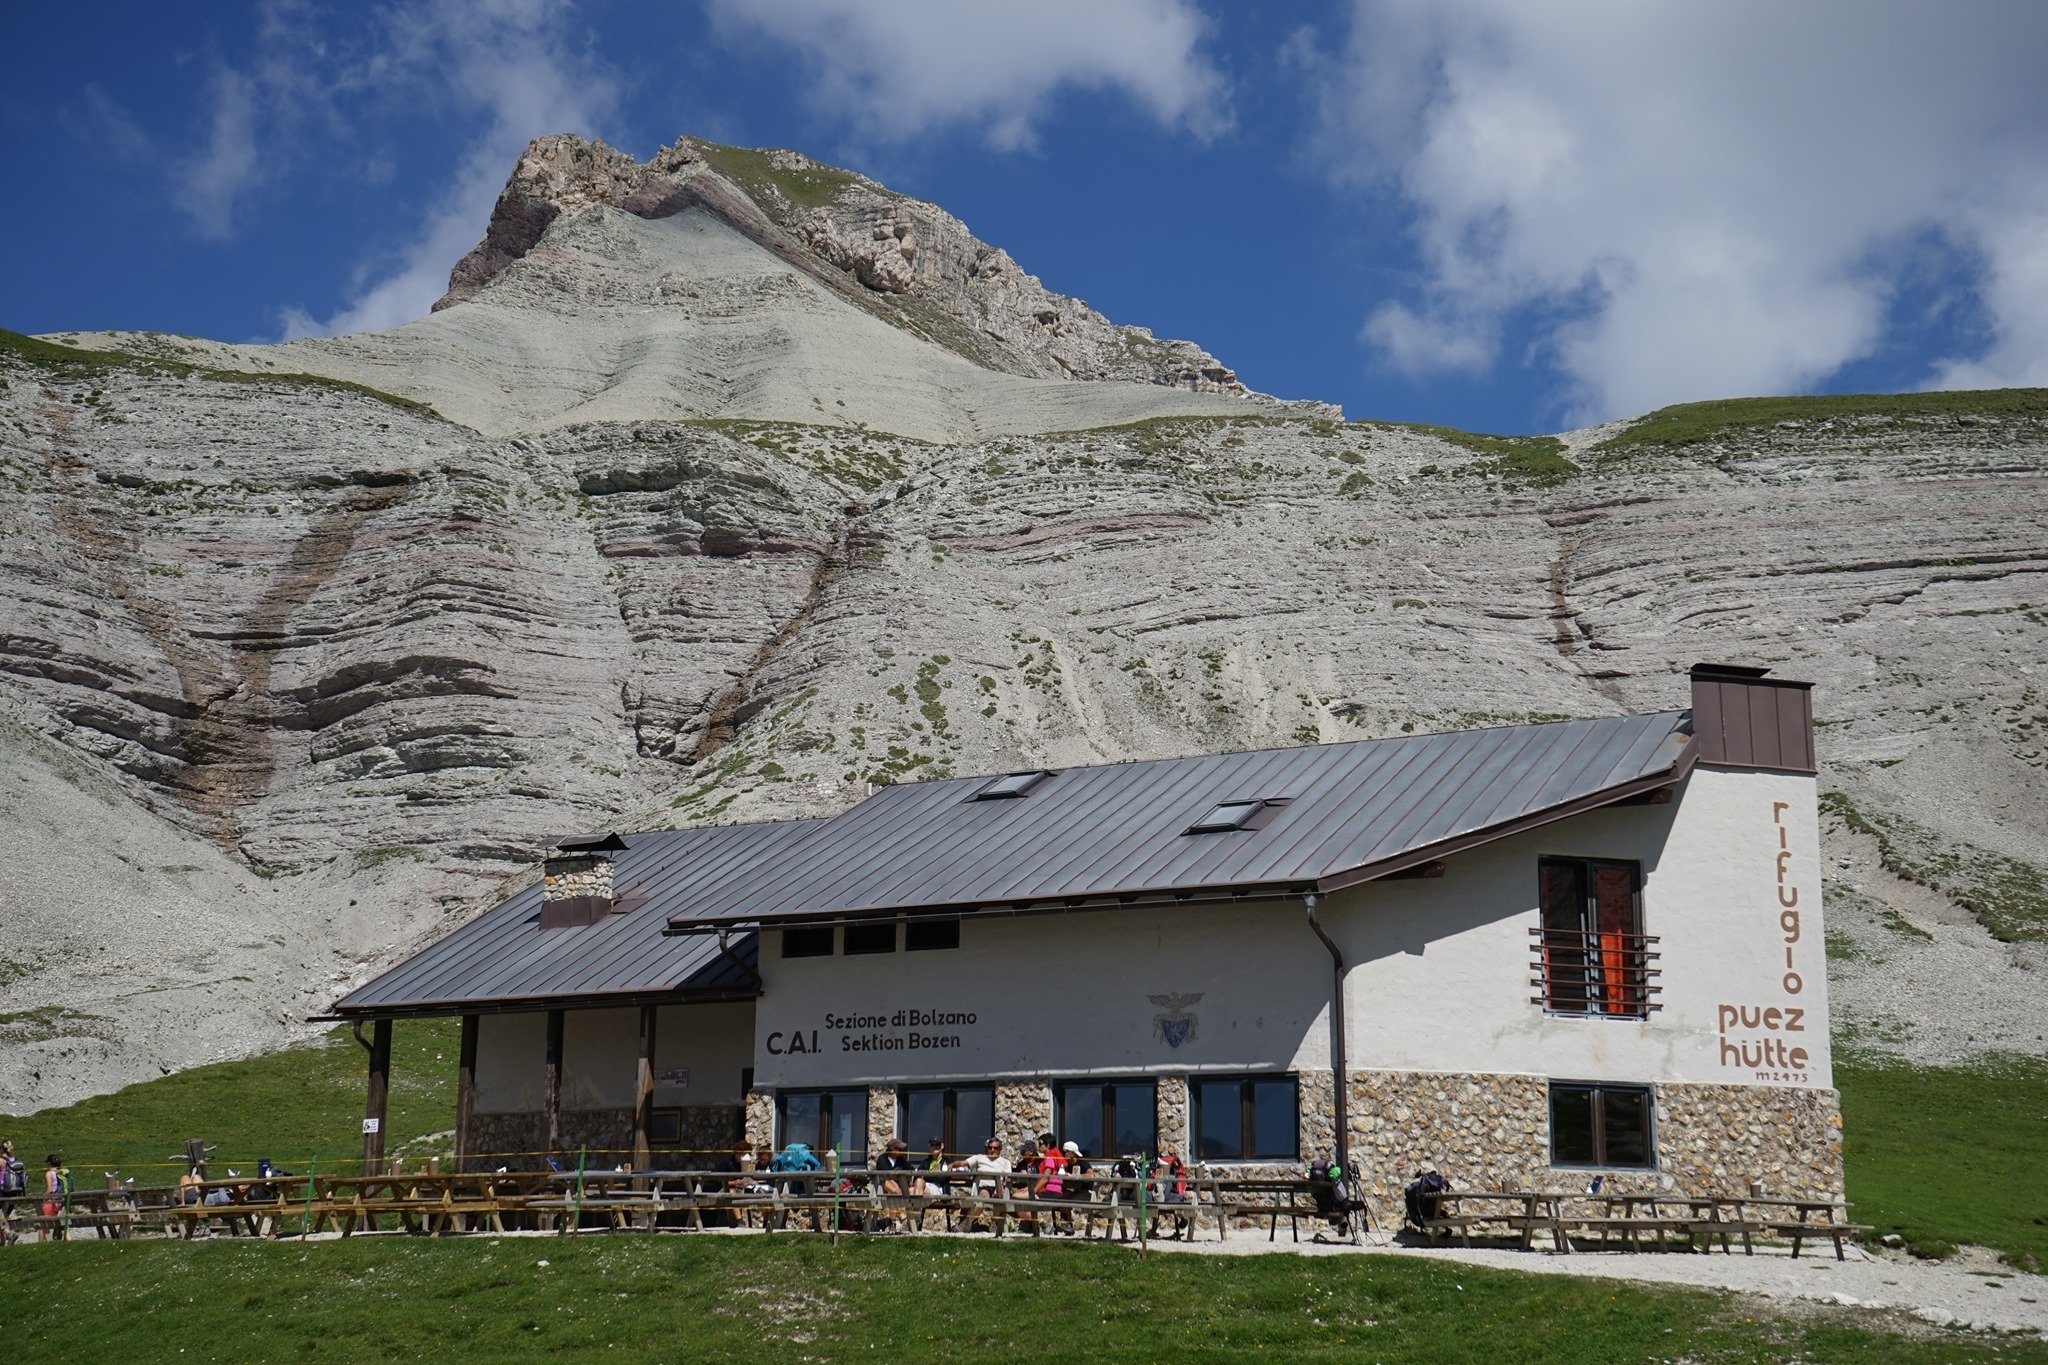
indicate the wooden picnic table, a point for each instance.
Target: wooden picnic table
{"x":1524,"y":1211}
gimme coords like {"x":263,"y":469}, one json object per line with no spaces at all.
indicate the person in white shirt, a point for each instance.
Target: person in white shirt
{"x":989,"y":1161}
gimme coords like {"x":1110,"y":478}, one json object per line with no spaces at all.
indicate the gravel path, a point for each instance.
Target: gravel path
{"x":1971,"y":1290}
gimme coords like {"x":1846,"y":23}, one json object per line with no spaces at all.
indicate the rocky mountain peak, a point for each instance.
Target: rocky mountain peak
{"x":907,"y":261}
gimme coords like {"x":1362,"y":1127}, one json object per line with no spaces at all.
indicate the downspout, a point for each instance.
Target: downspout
{"x":1339,"y":1075}
{"x":748,"y":975}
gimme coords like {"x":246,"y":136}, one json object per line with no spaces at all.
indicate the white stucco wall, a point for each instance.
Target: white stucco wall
{"x":711,"y":1043}
{"x":1055,"y":995}
{"x":511,"y":1052}
{"x":600,"y":1058}
{"x":1439,"y":971}
{"x":1442,"y":966}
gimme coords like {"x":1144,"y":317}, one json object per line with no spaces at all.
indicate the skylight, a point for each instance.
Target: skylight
{"x":1227,"y":816}
{"x":1011,"y":784}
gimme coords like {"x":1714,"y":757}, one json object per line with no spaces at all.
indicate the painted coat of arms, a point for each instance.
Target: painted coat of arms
{"x":1174,"y":1023}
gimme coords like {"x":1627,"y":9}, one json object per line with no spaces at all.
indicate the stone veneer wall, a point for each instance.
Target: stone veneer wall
{"x":1023,"y":1111}
{"x":568,"y":877}
{"x":1317,"y":1115}
{"x":1171,"y":1115}
{"x":1492,"y":1132}
{"x":708,"y":1133}
{"x":515,"y":1140}
{"x":881,"y":1118}
{"x":760,"y":1122}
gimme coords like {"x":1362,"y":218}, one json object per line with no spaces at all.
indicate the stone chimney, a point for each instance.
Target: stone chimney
{"x":1744,"y":719}
{"x":576,"y":880}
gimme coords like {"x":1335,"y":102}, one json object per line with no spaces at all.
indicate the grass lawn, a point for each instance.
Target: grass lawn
{"x":697,"y":1297}
{"x":1946,"y":1156}
{"x":1939,"y":1156}
{"x":290,"y":1106}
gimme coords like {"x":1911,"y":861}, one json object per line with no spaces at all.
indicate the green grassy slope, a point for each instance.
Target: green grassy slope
{"x":1733,"y":418}
{"x":1942,"y":1156}
{"x":290,"y":1106}
{"x":707,"y":1297}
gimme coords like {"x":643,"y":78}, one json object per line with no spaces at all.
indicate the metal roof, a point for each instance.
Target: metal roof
{"x":503,"y":959}
{"x":1352,"y":811}
{"x":1334,"y":815}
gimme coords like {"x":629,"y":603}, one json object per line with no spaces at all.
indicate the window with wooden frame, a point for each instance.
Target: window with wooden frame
{"x":1591,"y":954}
{"x":1107,"y":1119}
{"x":963,"y":1117}
{"x":1602,"y":1125}
{"x":825,"y":1120}
{"x":1251,"y":1119}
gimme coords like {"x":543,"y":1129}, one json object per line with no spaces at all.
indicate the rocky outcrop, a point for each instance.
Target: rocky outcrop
{"x":308,"y":671}
{"x":907,"y":261}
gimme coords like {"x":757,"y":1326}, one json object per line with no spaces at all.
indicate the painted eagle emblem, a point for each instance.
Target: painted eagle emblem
{"x":1174,"y":1023}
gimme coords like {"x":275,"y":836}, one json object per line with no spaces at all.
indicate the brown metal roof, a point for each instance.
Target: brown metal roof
{"x":503,"y":959}
{"x":1353,"y":811}
{"x":1342,"y":813}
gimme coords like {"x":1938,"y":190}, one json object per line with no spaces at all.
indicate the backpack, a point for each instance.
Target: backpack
{"x":795,"y":1157}
{"x":1422,"y":1196}
{"x":13,"y":1176}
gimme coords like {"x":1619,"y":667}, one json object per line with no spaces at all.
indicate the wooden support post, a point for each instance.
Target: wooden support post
{"x":465,"y":1091}
{"x":379,"y":1092}
{"x":551,"y":1088}
{"x":643,"y":1092}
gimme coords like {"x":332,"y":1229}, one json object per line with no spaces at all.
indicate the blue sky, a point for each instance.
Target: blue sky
{"x":1482,"y":213}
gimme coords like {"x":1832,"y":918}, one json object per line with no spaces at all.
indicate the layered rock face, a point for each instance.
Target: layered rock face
{"x":907,"y":260}
{"x":296,"y":673}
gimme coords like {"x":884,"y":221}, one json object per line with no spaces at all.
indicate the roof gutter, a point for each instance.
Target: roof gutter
{"x":1340,"y":1076}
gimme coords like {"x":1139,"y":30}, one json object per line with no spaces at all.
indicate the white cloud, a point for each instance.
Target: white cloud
{"x":515,"y":63}
{"x":900,"y":67}
{"x":208,"y":185}
{"x":1695,"y":201}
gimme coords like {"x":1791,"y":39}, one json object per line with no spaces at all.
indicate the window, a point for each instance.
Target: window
{"x":1010,"y":785}
{"x":1234,"y":815}
{"x":826,"y":1119}
{"x":870,"y":938}
{"x":1601,"y":1125}
{"x":1592,"y":954}
{"x":961,"y":1116}
{"x":811,"y":942}
{"x":1246,"y":1120}
{"x":920,"y":935}
{"x":1107,"y":1119}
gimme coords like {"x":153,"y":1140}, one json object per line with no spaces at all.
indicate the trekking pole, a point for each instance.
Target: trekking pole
{"x":576,"y":1224}
{"x":312,"y":1178}
{"x":835,"y":1196}
{"x":1144,"y":1178}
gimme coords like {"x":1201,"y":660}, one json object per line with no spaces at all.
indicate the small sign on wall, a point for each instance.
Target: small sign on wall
{"x":678,"y":1076}
{"x":372,"y":1125}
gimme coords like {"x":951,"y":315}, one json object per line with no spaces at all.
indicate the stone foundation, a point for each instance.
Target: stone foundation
{"x":515,"y":1141}
{"x":1492,"y":1132}
{"x":706,"y":1140}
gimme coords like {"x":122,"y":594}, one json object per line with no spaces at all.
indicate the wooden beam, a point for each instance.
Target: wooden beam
{"x":643,"y":1103}
{"x":374,"y":1102}
{"x":551,"y":1087}
{"x":465,"y":1091}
